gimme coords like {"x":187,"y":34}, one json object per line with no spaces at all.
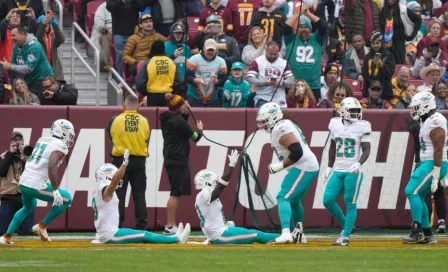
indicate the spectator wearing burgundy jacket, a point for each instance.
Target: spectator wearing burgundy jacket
{"x":223,"y":13}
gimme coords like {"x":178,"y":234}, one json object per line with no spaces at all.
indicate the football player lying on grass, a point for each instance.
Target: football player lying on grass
{"x":105,"y":205}
{"x":210,"y":210}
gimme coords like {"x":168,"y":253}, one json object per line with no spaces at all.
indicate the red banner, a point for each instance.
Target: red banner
{"x":381,"y":203}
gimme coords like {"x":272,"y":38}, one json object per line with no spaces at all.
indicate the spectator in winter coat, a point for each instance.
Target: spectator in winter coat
{"x":236,"y":89}
{"x":138,"y":46}
{"x":337,"y":28}
{"x":51,"y":38}
{"x":354,"y":58}
{"x":102,"y":34}
{"x":335,"y":95}
{"x":434,"y":32}
{"x":176,"y":49}
{"x":405,"y":100}
{"x":255,"y":48}
{"x":21,"y":95}
{"x":398,"y":25}
{"x":431,"y":54}
{"x":165,"y":13}
{"x":11,"y":20}
{"x":206,"y":72}
{"x":227,"y":46}
{"x":300,"y":96}
{"x":373,"y":101}
{"x":423,"y":31}
{"x":329,"y":78}
{"x":399,"y":84}
{"x":57,"y":92}
{"x":379,"y":64}
{"x":125,"y":16}
{"x":362,"y":17}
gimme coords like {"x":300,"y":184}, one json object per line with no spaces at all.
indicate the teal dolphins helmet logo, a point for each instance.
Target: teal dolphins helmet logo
{"x":205,"y":178}
{"x":421,"y":104}
{"x":63,"y":130}
{"x":268,"y":115}
{"x":350,"y":109}
{"x":105,"y":173}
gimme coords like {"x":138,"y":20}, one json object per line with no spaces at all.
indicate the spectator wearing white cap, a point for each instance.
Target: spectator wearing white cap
{"x":205,"y":73}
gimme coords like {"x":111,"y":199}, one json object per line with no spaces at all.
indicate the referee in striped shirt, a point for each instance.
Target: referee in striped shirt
{"x":131,"y":131}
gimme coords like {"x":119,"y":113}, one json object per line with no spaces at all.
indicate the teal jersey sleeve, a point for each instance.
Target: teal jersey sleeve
{"x":227,"y":90}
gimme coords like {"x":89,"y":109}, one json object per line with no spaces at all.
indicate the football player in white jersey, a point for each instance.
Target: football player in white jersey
{"x":41,"y":166}
{"x":105,"y":206}
{"x":210,"y":210}
{"x":296,"y":157}
{"x":349,"y":135}
{"x":432,"y":167}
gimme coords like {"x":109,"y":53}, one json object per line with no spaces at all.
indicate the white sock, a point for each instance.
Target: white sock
{"x":286,"y":231}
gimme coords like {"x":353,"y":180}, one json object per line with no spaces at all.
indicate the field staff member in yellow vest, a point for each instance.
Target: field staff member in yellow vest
{"x":131,"y":131}
{"x":158,"y":76}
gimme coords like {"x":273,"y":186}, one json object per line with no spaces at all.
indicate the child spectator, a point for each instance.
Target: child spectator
{"x":236,"y":89}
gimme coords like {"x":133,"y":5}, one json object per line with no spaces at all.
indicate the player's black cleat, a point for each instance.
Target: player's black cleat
{"x":429,"y":240}
{"x":441,"y":227}
{"x":415,"y":237}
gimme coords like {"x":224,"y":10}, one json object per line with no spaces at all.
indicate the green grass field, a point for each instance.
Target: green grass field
{"x":367,"y":252}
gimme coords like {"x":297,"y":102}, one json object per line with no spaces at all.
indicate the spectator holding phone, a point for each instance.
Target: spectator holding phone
{"x":26,"y":8}
{"x":379,"y":65}
{"x":11,"y":20}
{"x":51,"y":38}
{"x":177,"y":49}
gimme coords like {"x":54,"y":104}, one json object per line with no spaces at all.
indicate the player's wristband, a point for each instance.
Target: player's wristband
{"x":223,"y":182}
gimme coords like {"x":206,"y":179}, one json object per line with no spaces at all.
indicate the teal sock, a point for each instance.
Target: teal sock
{"x":29,"y":204}
{"x":416,"y":207}
{"x":297,"y":212}
{"x":425,"y":215}
{"x":153,"y":238}
{"x":350,"y":219}
{"x":284,"y":212}
{"x":54,"y":213}
{"x":264,"y":238}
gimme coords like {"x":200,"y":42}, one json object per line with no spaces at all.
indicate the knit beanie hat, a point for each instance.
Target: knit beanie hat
{"x":413,"y":5}
{"x":174,"y":101}
{"x":305,"y":21}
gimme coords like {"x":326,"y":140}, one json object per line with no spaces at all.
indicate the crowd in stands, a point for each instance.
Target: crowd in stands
{"x":31,"y":72}
{"x":244,"y":53}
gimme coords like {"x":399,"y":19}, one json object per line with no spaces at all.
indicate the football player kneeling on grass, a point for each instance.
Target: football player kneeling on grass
{"x":105,"y":205}
{"x":210,"y":210}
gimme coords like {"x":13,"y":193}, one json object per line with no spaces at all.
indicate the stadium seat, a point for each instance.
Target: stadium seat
{"x":90,"y":16}
{"x":193,"y":23}
{"x":358,"y":95}
{"x":354,"y":84}
{"x":140,"y":66}
{"x":438,"y":12}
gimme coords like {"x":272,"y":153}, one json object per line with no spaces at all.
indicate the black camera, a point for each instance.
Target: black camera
{"x":26,"y":150}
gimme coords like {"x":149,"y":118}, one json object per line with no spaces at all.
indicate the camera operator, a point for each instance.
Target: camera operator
{"x":12,"y":165}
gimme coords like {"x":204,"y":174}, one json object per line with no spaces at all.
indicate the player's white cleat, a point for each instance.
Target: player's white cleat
{"x":285,"y":238}
{"x":298,"y":235}
{"x":183,"y":236}
{"x":180,"y":228}
{"x":342,"y":241}
{"x":6,"y":241}
{"x":41,"y":232}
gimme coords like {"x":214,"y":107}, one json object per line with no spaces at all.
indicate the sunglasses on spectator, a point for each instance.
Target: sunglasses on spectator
{"x":376,"y":90}
{"x":339,"y":95}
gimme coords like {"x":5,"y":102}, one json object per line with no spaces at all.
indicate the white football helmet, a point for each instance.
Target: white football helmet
{"x":64,"y":130}
{"x":268,"y":114}
{"x":104,"y":173}
{"x":421,"y":104}
{"x":205,"y":178}
{"x":350,"y":109}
